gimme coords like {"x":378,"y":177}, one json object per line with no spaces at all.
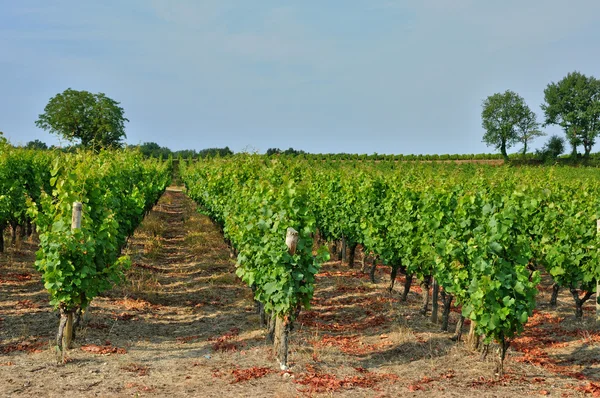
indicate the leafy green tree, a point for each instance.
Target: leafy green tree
{"x":552,"y":149}
{"x":94,"y":119}
{"x":574,"y":104}
{"x":507,"y":120}
{"x":36,"y":144}
{"x":527,"y":127}
{"x":212,"y":152}
{"x":153,"y":150}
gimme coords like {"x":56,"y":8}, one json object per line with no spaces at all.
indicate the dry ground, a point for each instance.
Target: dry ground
{"x":184,"y":325}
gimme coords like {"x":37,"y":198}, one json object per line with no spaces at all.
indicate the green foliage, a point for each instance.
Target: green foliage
{"x":116,"y":188}
{"x":574,"y":104}
{"x":23,"y":176}
{"x":507,"y":120}
{"x":36,"y":144}
{"x":255,"y":201}
{"x":95,"y":119}
{"x":3,"y":140}
{"x":552,"y":149}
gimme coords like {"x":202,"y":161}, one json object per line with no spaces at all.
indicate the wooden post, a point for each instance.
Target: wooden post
{"x":291,"y":240}
{"x":75,"y":224}
{"x":283,"y":323}
{"x":76,"y":217}
{"x":473,"y":338}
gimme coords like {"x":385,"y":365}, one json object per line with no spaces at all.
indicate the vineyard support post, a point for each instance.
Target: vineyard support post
{"x":473,"y":338}
{"x":283,"y":321}
{"x":75,"y":224}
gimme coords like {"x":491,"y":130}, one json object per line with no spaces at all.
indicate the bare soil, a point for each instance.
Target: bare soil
{"x":184,"y":325}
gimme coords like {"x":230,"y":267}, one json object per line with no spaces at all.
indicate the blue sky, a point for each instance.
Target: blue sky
{"x":358,"y":76}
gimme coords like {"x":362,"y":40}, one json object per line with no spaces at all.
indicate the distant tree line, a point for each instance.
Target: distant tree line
{"x":148,"y":149}
{"x":152,"y":149}
{"x":289,"y":152}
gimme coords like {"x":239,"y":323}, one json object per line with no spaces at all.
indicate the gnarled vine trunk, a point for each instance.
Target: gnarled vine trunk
{"x":2,"y":228}
{"x":447,"y":304}
{"x":282,"y":331}
{"x":407,"y":284}
{"x":554,"y":297}
{"x":373,"y":269}
{"x":13,"y":232}
{"x":351,"y":254}
{"x":435,"y":292}
{"x":425,"y":296}
{"x":393,"y":275}
{"x":458,"y":331}
{"x":579,"y":301}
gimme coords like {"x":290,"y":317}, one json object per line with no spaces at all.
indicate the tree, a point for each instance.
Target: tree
{"x":36,"y":144}
{"x":574,"y":104}
{"x":507,"y":120}
{"x":152,"y":149}
{"x":212,"y":152}
{"x":527,"y":127}
{"x":95,"y":119}
{"x":552,"y":149}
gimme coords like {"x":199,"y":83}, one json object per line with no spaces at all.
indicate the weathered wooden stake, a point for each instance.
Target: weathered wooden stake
{"x":473,"y":337}
{"x":76,"y":216}
{"x":291,"y":240}
{"x":283,"y":322}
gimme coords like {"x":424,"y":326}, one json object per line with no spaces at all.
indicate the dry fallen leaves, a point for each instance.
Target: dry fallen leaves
{"x":240,"y":375}
{"x":105,"y":349}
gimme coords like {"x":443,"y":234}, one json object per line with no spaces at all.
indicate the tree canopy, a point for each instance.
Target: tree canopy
{"x":527,"y":127}
{"x":36,"y":144}
{"x":507,"y":120}
{"x":574,"y":104}
{"x":152,"y":149}
{"x":95,"y":119}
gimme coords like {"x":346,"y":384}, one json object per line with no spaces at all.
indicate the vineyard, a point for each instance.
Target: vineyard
{"x":293,"y":275}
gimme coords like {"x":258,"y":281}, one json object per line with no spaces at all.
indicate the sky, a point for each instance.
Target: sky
{"x":327,"y":76}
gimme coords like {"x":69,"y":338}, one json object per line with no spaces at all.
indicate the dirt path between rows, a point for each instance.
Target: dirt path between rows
{"x":183,"y":325}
